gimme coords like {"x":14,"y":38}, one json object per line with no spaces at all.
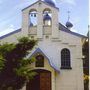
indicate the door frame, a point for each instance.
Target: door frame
{"x":40,"y":71}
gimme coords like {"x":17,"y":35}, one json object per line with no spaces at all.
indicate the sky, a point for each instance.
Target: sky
{"x":11,"y":14}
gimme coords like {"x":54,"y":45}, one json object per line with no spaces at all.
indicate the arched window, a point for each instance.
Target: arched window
{"x":65,"y":59}
{"x":47,"y":17}
{"x":33,"y":18}
{"x":39,"y":61}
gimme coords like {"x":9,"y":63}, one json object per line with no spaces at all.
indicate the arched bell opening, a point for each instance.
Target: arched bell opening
{"x":47,"y":17}
{"x":33,"y":18}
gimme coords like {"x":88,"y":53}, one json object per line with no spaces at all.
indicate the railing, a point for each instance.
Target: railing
{"x":47,"y":30}
{"x":33,"y":30}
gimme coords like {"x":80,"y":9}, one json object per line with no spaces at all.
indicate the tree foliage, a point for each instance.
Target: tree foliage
{"x":86,"y":64}
{"x":14,"y":70}
{"x":1,"y":62}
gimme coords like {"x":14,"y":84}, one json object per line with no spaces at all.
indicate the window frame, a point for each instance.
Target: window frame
{"x":39,"y":62}
{"x":65,"y":59}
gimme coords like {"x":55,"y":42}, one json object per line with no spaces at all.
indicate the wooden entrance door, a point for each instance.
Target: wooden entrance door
{"x":42,"y":81}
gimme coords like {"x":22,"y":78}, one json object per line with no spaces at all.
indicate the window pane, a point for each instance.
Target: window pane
{"x":39,"y":61}
{"x":65,"y":58}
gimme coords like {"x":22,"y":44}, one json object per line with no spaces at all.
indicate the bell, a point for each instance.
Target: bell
{"x":31,"y":15}
{"x":34,"y":15}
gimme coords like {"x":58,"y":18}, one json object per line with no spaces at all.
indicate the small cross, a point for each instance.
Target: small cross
{"x":68,"y":15}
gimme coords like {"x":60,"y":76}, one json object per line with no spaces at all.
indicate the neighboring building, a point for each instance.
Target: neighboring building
{"x":58,"y":52}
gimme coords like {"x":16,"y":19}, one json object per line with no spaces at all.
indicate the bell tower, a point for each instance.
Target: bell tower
{"x":40,"y":18}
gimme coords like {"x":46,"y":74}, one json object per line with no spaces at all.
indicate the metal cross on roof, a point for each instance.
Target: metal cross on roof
{"x":68,"y":15}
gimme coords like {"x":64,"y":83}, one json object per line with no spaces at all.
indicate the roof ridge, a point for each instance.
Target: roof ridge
{"x":37,"y":2}
{"x":71,"y":32}
{"x":10,"y":33}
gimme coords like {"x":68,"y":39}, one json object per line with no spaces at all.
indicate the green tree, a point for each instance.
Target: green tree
{"x":14,"y":70}
{"x":86,"y":64}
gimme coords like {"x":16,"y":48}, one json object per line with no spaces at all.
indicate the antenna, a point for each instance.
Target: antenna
{"x":68,"y":15}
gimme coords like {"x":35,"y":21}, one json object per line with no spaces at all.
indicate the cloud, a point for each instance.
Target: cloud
{"x":16,"y":9}
{"x":7,"y":30}
{"x":74,"y":30}
{"x":10,"y":16}
{"x":71,"y":2}
{"x":24,"y":3}
{"x":75,"y":20}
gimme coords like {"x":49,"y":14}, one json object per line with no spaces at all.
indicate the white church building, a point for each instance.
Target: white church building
{"x":58,"y":52}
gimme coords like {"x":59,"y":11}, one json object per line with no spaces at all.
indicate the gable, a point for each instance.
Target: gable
{"x":38,"y":2}
{"x":38,"y":50}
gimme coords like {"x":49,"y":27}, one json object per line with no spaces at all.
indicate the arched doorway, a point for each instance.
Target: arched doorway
{"x":42,"y":81}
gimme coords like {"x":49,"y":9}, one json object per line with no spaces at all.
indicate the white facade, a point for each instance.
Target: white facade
{"x":51,"y":40}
